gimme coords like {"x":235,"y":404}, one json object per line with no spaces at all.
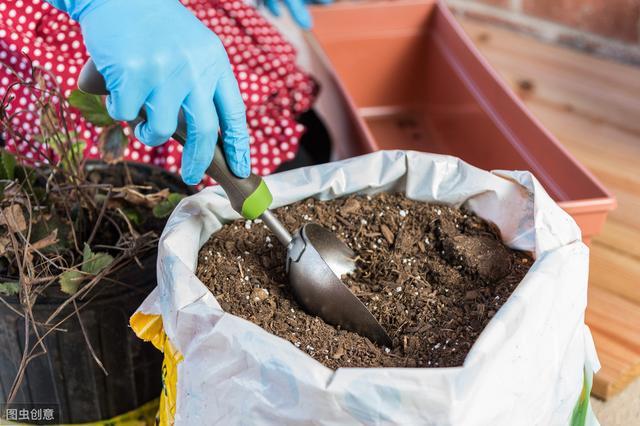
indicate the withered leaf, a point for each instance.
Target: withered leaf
{"x":13,"y":218}
{"x":47,"y":241}
{"x":137,"y":198}
{"x":5,"y":242}
{"x":112,"y":143}
{"x":49,"y":122}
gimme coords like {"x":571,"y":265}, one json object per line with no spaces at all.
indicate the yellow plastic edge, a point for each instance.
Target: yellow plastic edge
{"x":145,"y":415}
{"x":149,"y":328}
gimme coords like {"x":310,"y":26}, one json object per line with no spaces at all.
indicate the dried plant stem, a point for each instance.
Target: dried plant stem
{"x":88,"y":342}
{"x":100,"y":216}
{"x":63,"y":210}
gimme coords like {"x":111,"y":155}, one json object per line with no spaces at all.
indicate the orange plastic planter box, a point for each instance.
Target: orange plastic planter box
{"x":410,"y":78}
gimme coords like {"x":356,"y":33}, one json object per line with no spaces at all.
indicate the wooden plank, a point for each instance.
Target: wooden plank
{"x":591,"y":106}
{"x":617,"y":338}
{"x":616,"y":372}
{"x":609,"y":152}
{"x":588,"y":85}
{"x":617,"y":234}
{"x":616,"y":273}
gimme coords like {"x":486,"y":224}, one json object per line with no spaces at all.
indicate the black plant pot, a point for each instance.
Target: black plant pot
{"x":67,"y":378}
{"x":315,"y":144}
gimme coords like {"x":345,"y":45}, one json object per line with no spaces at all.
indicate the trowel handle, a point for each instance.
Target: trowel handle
{"x":250,"y":196}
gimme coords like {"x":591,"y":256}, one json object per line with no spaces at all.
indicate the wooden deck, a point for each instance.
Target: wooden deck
{"x":593,"y":107}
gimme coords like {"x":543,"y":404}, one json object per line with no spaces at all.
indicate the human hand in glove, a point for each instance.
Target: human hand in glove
{"x":297,"y":9}
{"x":157,"y":55}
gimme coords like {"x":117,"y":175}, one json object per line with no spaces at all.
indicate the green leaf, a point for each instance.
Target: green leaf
{"x":164,"y":208}
{"x":112,"y":143}
{"x":581,"y":409}
{"x":91,"y":108}
{"x":72,"y":158}
{"x":133,"y":215}
{"x":7,"y":165}
{"x":175,"y":197}
{"x":9,"y":288}
{"x":70,"y":281}
{"x":93,"y":263}
{"x":68,"y":147}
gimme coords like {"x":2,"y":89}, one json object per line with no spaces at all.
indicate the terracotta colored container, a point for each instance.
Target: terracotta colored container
{"x":409,"y":78}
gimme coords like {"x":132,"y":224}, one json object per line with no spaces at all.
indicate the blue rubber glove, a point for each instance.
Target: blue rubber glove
{"x":297,"y":9}
{"x":156,"y":54}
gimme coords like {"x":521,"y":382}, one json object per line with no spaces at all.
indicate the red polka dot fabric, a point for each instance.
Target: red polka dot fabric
{"x":274,"y":89}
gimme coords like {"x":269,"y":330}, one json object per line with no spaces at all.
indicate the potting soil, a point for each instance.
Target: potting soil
{"x":433,"y":275}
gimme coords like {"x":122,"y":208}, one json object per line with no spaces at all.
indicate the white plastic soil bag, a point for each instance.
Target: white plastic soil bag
{"x":532,"y":365}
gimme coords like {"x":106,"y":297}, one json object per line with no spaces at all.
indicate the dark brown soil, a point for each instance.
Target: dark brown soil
{"x":432,"y":275}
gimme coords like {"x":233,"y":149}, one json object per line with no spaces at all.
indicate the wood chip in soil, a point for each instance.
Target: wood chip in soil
{"x":432,"y":275}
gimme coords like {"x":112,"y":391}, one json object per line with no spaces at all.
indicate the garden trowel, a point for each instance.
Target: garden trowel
{"x":316,"y":258}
